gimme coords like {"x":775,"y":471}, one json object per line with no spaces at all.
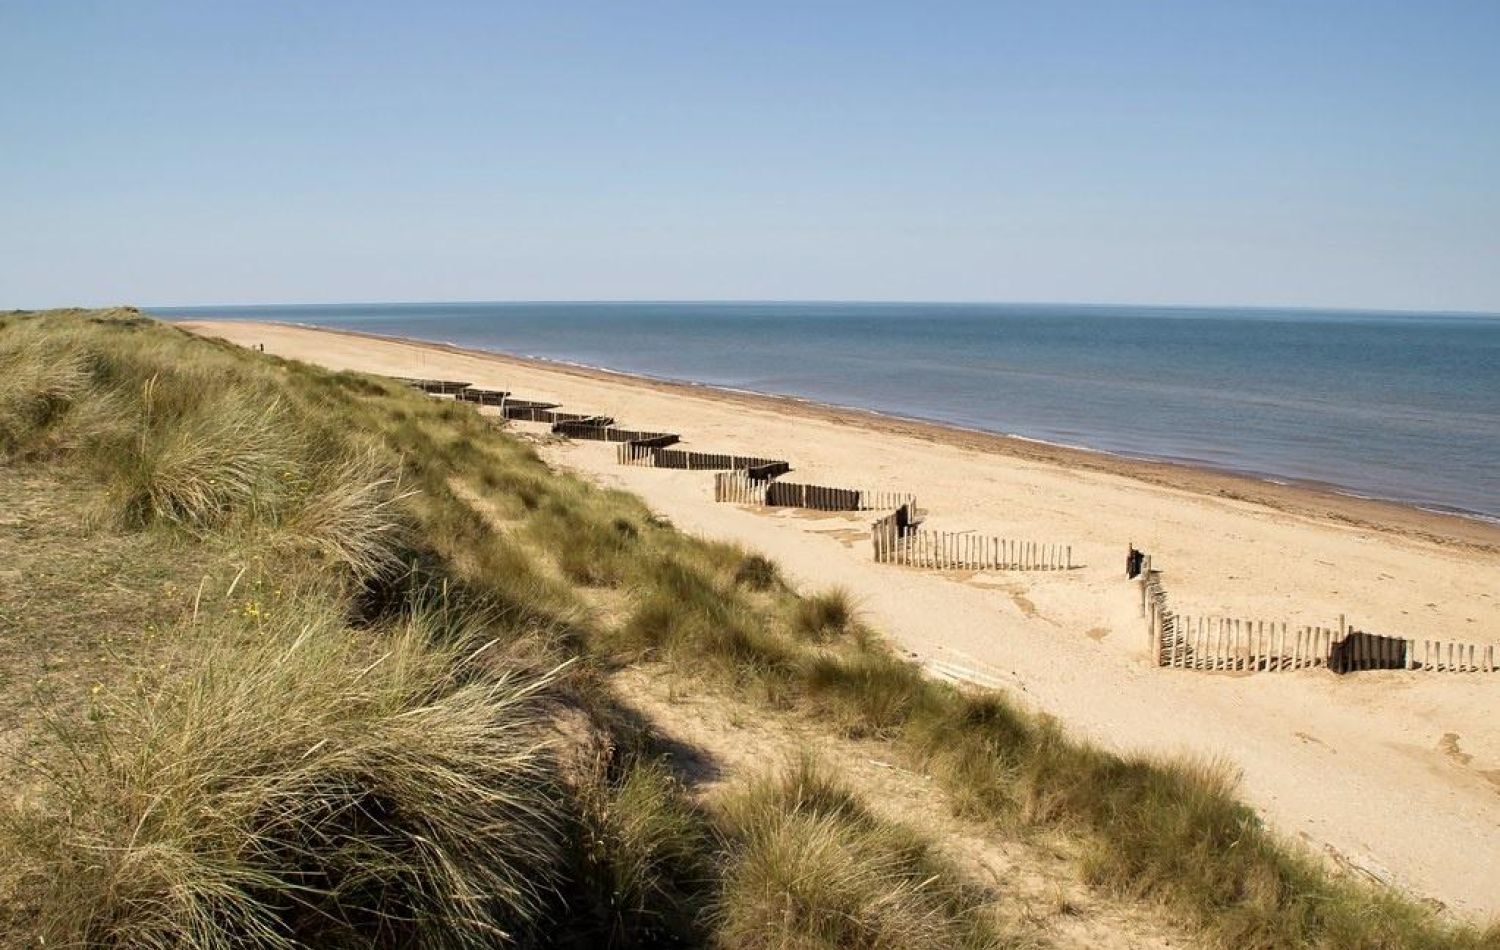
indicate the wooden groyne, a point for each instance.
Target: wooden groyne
{"x":1245,"y":645}
{"x":898,"y":539}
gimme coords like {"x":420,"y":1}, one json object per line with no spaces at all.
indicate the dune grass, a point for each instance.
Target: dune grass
{"x":649,"y":863}
{"x":810,"y":867}
{"x":300,"y":786}
{"x":362,"y":493}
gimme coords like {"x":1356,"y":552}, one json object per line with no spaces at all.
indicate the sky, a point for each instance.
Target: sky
{"x":1338,"y":153}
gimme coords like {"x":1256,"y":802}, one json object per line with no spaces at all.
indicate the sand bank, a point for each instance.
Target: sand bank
{"x":1395,"y":773}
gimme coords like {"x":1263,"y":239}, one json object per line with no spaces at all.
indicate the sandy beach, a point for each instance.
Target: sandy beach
{"x":1396,"y":774}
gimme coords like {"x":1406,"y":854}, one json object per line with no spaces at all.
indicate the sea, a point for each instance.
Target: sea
{"x":1397,"y":406}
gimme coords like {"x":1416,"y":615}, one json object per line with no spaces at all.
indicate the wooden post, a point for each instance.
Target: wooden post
{"x":1156,"y":628}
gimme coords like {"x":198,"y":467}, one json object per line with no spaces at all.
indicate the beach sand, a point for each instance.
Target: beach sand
{"x":1396,"y":774}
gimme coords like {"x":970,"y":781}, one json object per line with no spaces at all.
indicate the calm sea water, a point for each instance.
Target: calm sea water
{"x":1399,"y":406}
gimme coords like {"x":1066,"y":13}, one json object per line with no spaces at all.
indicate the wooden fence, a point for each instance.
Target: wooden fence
{"x":963,"y":550}
{"x":769,"y":470}
{"x":584,"y":429}
{"x":815,"y":497}
{"x":749,"y":487}
{"x":635,"y":453}
{"x":1233,"y":644}
{"x":740,"y":488}
{"x":482,"y":397}
{"x":437,"y":387}
{"x":534,"y":414}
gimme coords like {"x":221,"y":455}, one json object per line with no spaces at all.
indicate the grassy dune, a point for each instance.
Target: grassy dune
{"x":382,"y":713}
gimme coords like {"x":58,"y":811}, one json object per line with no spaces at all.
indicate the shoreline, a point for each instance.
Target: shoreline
{"x":1296,"y":497}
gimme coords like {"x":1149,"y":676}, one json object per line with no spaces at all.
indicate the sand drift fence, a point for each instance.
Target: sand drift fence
{"x":654,"y":456}
{"x":755,"y":486}
{"x":609,"y":433}
{"x":1234,"y":645}
{"x":1239,"y":645}
{"x":962,"y":550}
{"x":547,"y":416}
{"x":436,"y":387}
{"x":482,"y":397}
{"x":1231,"y":644}
{"x":740,"y":488}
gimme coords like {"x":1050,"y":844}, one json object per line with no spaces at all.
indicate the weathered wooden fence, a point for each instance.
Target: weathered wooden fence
{"x":889,"y":532}
{"x":437,"y":387}
{"x":585,"y":429}
{"x":482,"y":397}
{"x":534,"y":414}
{"x":535,"y":404}
{"x":965,"y":550}
{"x":751,"y":487}
{"x":1243,"y":645}
{"x":635,"y":453}
{"x":740,"y":488}
{"x":1234,"y":644}
{"x":769,"y":470}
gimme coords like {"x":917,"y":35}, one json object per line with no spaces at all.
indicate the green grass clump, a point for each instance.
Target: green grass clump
{"x":647,"y":868}
{"x":301,"y":786}
{"x":810,"y":867}
{"x":825,"y":616}
{"x":758,"y":573}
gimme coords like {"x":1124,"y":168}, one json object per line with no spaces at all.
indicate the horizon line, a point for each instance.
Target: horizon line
{"x":1398,"y":311}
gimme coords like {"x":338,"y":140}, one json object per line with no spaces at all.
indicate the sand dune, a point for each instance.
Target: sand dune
{"x":1395,"y":773}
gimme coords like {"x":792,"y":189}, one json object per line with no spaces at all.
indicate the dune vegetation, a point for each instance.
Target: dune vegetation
{"x":301,"y":658}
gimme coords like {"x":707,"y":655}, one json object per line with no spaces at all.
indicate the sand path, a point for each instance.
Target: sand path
{"x":1395,"y":773}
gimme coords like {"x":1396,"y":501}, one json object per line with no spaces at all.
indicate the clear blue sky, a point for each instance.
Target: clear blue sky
{"x":1315,"y":152}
